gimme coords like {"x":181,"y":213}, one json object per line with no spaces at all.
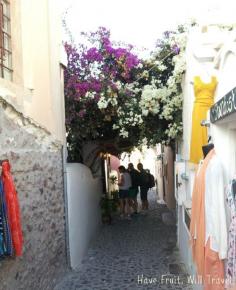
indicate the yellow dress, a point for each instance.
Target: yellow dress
{"x":204,"y":99}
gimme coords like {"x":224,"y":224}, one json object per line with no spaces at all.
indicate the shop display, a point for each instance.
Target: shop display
{"x":204,"y":99}
{"x":208,"y":227}
{"x":11,"y":238}
{"x":231,"y":257}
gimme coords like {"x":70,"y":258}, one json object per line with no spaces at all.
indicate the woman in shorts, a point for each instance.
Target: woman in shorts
{"x":124,"y":186}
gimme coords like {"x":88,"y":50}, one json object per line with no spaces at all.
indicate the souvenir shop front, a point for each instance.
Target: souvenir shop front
{"x":205,"y":169}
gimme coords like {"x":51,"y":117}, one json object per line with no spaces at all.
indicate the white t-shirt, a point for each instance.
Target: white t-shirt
{"x":215,"y":207}
{"x":126,"y":181}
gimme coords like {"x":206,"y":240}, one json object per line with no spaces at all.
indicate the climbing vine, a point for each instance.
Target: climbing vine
{"x":114,"y":97}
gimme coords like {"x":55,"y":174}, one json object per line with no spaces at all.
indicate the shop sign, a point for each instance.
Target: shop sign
{"x":224,"y":107}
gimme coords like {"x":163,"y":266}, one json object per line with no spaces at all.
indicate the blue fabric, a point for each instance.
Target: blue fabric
{"x":123,"y":193}
{"x":6,"y":246}
{"x":2,"y":248}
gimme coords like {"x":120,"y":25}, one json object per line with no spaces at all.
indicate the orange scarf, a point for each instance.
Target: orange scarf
{"x":13,"y":208}
{"x":197,"y":224}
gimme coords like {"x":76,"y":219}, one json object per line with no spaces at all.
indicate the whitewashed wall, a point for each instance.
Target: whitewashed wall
{"x":84,"y":217}
{"x":224,"y":132}
{"x":159,"y":175}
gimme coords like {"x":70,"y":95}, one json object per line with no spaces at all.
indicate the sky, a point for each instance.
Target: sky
{"x":141,"y":22}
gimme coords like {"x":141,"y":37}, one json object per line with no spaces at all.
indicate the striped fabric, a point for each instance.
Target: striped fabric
{"x":6,"y":246}
{"x":13,"y":208}
{"x":2,"y":247}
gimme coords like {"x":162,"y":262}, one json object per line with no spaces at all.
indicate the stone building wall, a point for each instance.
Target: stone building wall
{"x":37,"y":170}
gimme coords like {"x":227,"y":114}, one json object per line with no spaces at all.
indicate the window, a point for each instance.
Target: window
{"x":5,"y":41}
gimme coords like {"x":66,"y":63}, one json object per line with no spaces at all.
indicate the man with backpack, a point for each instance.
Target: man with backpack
{"x":134,"y":174}
{"x":144,"y":185}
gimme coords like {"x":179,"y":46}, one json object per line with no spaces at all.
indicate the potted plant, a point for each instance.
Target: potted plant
{"x":109,"y":207}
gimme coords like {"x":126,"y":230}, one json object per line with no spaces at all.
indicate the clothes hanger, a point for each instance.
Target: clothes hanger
{"x":207,"y":148}
{"x":234,"y":187}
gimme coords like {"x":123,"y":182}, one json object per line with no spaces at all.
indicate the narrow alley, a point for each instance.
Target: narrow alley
{"x":136,"y":254}
{"x":105,"y":104}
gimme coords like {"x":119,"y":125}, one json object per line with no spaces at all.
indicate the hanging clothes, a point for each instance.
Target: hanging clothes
{"x":208,"y":227}
{"x":13,"y":209}
{"x":6,"y":240}
{"x":214,"y":269}
{"x":197,"y":223}
{"x":215,"y":208}
{"x":204,"y":99}
{"x":216,"y":225}
{"x":2,"y":247}
{"x":231,"y":259}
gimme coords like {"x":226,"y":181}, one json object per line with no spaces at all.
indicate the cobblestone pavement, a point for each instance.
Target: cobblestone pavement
{"x":135,"y":254}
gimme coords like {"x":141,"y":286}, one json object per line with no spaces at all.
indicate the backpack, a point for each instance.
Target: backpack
{"x":144,"y":178}
{"x":151,"y":180}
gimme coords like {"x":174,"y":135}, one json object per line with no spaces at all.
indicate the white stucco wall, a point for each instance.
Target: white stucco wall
{"x":224,"y":132}
{"x":159,"y":174}
{"x":37,"y":88}
{"x":84,"y":217}
{"x":41,"y":39}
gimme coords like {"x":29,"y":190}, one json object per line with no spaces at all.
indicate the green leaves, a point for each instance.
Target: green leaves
{"x":111,"y":94}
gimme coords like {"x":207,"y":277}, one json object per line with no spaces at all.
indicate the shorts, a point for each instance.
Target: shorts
{"x":143,"y":192}
{"x":123,"y":193}
{"x":133,"y":192}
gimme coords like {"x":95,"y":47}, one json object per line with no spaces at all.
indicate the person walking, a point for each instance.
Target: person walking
{"x":144,"y":186}
{"x":133,"y":192}
{"x":124,"y":184}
